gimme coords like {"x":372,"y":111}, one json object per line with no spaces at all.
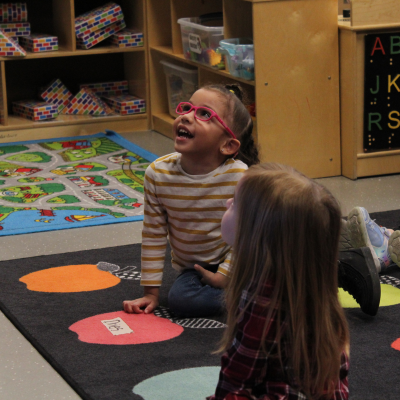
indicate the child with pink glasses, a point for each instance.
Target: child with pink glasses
{"x":185,"y":195}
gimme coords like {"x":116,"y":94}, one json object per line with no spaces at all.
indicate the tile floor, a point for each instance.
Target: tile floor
{"x":24,"y":374}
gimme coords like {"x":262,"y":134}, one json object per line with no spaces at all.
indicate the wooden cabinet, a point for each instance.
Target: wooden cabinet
{"x":379,"y":16}
{"x":21,"y":77}
{"x":296,"y":86}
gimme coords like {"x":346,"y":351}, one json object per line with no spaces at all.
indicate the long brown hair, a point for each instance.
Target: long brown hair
{"x":288,"y":231}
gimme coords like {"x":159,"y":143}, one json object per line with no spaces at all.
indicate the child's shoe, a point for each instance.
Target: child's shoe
{"x":358,"y":276}
{"x":394,"y":247}
{"x":364,"y":232}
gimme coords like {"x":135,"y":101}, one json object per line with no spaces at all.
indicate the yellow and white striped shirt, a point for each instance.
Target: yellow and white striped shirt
{"x":188,"y":210}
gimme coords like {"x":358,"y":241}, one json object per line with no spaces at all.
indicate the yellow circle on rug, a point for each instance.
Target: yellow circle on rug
{"x":390,"y":295}
{"x":70,"y":279}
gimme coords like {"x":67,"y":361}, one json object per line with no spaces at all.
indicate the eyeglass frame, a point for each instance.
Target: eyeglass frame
{"x":213,"y":114}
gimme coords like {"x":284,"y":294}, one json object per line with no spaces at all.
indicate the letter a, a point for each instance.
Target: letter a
{"x":376,"y":47}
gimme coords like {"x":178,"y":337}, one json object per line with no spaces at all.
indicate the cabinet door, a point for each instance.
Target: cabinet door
{"x":297,"y":84}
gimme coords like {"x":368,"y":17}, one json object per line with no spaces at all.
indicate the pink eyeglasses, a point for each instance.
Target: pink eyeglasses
{"x":201,"y":113}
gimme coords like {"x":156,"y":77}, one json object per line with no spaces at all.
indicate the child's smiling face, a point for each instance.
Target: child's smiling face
{"x":201,"y":139}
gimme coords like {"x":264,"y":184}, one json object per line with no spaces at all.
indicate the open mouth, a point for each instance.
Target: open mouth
{"x":184,"y":133}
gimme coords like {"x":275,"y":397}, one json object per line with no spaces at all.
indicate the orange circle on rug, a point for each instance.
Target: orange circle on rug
{"x":70,"y":279}
{"x":147,"y":328}
{"x":396,"y":344}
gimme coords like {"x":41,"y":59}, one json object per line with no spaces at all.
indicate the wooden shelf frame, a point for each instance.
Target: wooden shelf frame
{"x":58,"y":17}
{"x":296,"y":86}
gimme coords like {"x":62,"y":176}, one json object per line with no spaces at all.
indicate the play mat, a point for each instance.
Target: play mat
{"x":70,"y":182}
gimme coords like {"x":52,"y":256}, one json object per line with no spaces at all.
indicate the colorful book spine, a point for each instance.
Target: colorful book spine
{"x":38,"y":42}
{"x":97,"y":19}
{"x":16,"y":29}
{"x":35,"y":110}
{"x":127,"y":38}
{"x":87,"y":103}
{"x":57,"y":93}
{"x":107,"y":88}
{"x":13,"y":12}
{"x":126,"y":104}
{"x":9,"y":47}
{"x":93,"y":38}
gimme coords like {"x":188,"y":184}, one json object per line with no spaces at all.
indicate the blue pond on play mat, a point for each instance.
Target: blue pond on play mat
{"x":71,"y":182}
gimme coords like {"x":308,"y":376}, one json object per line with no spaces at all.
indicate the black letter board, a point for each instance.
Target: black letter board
{"x":382,"y":91}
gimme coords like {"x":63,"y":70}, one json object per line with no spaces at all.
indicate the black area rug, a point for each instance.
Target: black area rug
{"x":98,"y":371}
{"x":108,"y":371}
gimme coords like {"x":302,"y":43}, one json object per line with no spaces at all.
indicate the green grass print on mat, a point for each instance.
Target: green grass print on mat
{"x":71,"y":182}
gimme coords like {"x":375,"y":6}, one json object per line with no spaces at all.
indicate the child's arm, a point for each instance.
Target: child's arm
{"x":216,"y":280}
{"x":220,"y":278}
{"x":145,"y":304}
{"x":154,"y":245}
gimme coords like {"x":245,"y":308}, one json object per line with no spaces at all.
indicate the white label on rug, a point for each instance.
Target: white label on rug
{"x":117,"y":326}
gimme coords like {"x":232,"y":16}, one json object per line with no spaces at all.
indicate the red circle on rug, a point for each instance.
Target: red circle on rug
{"x":396,"y":344}
{"x":147,"y":328}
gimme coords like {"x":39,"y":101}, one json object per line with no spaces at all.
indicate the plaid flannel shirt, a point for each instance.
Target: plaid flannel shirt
{"x":249,"y":373}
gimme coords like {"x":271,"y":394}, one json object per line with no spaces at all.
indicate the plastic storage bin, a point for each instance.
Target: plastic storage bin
{"x":239,"y":56}
{"x":181,"y":84}
{"x":200,"y":39}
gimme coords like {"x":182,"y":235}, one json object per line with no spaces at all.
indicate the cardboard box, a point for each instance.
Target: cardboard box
{"x":107,"y":88}
{"x":97,"y":18}
{"x":87,"y":103}
{"x":93,"y":38}
{"x":9,"y":47}
{"x":13,"y":12}
{"x":127,"y":38}
{"x":126,"y":104}
{"x":39,"y":42}
{"x":57,"y":93}
{"x":16,"y":29}
{"x":35,"y":110}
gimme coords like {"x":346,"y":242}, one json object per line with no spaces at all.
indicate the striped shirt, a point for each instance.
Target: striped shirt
{"x":188,"y":210}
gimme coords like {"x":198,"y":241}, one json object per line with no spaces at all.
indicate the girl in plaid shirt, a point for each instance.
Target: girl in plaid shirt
{"x":287,"y":336}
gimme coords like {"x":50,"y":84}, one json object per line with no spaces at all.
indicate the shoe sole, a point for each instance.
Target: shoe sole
{"x":394,"y":247}
{"x":344,"y":240}
{"x":358,"y":234}
{"x":376,"y":284}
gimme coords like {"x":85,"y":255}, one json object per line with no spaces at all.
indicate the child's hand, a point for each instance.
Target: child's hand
{"x":146,"y":304}
{"x":216,"y":280}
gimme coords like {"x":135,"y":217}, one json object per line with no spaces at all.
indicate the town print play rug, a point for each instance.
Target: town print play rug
{"x":70,"y":182}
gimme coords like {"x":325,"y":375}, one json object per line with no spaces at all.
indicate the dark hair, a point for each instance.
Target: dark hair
{"x":240,"y":121}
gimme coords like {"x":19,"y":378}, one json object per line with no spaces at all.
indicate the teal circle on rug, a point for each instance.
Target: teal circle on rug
{"x":183,"y":384}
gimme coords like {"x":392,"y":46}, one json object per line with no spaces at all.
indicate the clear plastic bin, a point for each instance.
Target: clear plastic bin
{"x":200,"y":39}
{"x":239,"y":56}
{"x":181,"y":84}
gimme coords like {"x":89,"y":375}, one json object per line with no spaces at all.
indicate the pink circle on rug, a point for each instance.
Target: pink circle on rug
{"x":396,"y":344}
{"x":147,"y":328}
